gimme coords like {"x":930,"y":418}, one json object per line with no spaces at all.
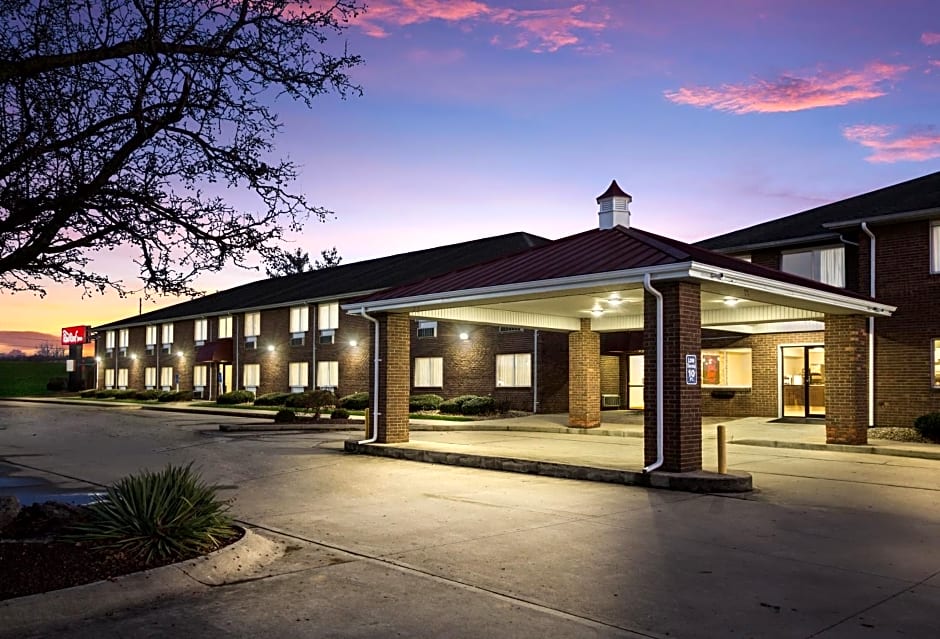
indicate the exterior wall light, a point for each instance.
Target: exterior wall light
{"x":464,"y":336}
{"x":179,"y":354}
{"x":353,"y":343}
{"x":270,"y":348}
{"x":97,"y":360}
{"x":133,"y":355}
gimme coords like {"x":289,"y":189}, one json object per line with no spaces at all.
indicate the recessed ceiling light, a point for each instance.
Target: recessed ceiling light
{"x":731,"y":301}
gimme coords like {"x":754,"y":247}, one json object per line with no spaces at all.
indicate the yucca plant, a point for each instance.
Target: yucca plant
{"x":172,"y":513}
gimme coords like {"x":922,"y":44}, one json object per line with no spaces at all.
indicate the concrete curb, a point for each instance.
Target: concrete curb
{"x":230,"y":564}
{"x":841,"y":448}
{"x":697,"y":482}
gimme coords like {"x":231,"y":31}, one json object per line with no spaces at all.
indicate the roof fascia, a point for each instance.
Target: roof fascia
{"x":767,"y":285}
{"x":757,"y":246}
{"x":906,"y":216}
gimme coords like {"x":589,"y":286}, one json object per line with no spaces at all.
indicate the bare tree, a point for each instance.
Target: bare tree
{"x":124,"y":122}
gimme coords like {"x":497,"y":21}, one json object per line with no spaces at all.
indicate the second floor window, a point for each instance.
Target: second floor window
{"x":124,"y":337}
{"x":299,"y":319}
{"x":328,"y":316}
{"x":225,"y":327}
{"x":826,"y":265}
{"x":201,"y":330}
{"x":151,"y":336}
{"x":109,"y":340}
{"x":935,"y":247}
{"x":252,"y":324}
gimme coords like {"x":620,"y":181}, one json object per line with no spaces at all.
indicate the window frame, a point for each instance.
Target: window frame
{"x":816,"y":263}
{"x":431,"y":369}
{"x":425,"y":325}
{"x":935,"y":363}
{"x":934,"y":250}
{"x":515,"y":381}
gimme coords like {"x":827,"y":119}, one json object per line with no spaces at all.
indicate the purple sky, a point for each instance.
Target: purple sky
{"x":481,"y":118}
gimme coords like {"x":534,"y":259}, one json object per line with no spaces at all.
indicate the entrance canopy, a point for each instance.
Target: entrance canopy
{"x":599,"y":275}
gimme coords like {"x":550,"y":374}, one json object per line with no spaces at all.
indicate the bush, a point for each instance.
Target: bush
{"x":478,"y":406}
{"x":311,"y":401}
{"x":928,"y":426}
{"x":175,"y":396}
{"x":339,"y":413}
{"x":148,"y":394}
{"x":454,"y":405}
{"x":57,"y":384}
{"x":285,"y":416}
{"x":105,"y":393}
{"x":235,"y":397}
{"x":128,"y":393}
{"x":424,"y":402}
{"x":356,"y":401}
{"x":168,"y":514}
{"x":87,"y":394}
{"x":272,"y":399}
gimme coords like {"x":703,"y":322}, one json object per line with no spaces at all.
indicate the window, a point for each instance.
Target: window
{"x":166,"y":376}
{"x":109,"y":342}
{"x":122,"y":377}
{"x":427,"y":329}
{"x":935,"y":247}
{"x":514,"y":369}
{"x":225,"y":327}
{"x":124,"y":338}
{"x":201,"y":331}
{"x":936,"y":363}
{"x":297,"y":340}
{"x":252,"y":324}
{"x":727,"y":368}
{"x":200,"y":376}
{"x":298,"y":374}
{"x":429,"y":372}
{"x":327,"y":374}
{"x":109,"y":377}
{"x":328,"y":316}
{"x":150,"y":377}
{"x":300,"y":319}
{"x":826,"y":265}
{"x":151,"y":336}
{"x":167,"y":338}
{"x":327,"y":337}
{"x":252,"y":376}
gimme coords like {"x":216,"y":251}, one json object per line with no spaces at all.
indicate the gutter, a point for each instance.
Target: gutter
{"x":660,"y":457}
{"x":871,"y":329}
{"x":375,"y":381}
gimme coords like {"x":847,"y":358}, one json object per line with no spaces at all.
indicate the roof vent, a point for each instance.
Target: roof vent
{"x":614,"y":206}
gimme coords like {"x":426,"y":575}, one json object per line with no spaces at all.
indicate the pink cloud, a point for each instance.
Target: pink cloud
{"x":886,"y":148}
{"x":793,"y":93}
{"x":930,"y":38}
{"x":539,"y":30}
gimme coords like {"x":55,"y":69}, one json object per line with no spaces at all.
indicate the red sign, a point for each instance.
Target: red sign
{"x":75,"y":335}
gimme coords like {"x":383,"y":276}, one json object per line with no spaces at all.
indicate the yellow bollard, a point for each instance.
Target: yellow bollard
{"x":368,"y":430}
{"x":722,"y":451}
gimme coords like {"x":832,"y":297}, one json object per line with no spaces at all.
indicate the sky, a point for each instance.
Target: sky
{"x":483,"y":117}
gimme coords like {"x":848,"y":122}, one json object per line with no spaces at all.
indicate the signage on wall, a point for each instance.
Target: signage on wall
{"x":691,"y":370}
{"x":75,"y":335}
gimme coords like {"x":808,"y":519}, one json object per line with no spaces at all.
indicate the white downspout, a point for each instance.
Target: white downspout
{"x":871,"y":330}
{"x":535,"y":371}
{"x":375,"y":385}
{"x":660,"y":458}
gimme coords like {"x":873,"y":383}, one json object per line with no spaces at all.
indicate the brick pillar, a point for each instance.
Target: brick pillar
{"x":682,"y":403}
{"x":846,"y":379}
{"x":584,"y":377}
{"x":394,"y":377}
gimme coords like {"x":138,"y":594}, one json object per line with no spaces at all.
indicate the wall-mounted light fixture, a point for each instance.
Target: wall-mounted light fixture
{"x":464,"y":336}
{"x":133,"y":356}
{"x":270,"y":348}
{"x":354,"y":343}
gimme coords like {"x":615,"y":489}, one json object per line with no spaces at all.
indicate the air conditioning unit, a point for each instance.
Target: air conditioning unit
{"x":610,"y":401}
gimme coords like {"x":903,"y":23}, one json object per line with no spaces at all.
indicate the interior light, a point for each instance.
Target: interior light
{"x":731,"y":301}
{"x":464,"y":336}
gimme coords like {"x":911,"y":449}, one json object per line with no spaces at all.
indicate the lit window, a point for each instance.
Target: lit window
{"x":151,"y":336}
{"x":936,"y":363}
{"x":252,"y":376}
{"x":728,"y":367}
{"x":514,"y":369}
{"x":935,"y":247}
{"x":122,"y":377}
{"x":200,"y":376}
{"x":327,"y":374}
{"x":201,"y":330}
{"x":429,"y":372}
{"x":328,"y":316}
{"x":124,"y":337}
{"x":109,"y":340}
{"x":427,"y":329}
{"x":298,"y":372}
{"x":109,"y":377}
{"x":166,"y":376}
{"x":252,"y":324}
{"x":225,"y":327}
{"x":167,"y":334}
{"x":300,"y":319}
{"x":826,"y":265}
{"x":150,"y":377}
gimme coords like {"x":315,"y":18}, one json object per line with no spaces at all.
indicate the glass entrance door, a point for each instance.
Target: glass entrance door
{"x":804,"y":381}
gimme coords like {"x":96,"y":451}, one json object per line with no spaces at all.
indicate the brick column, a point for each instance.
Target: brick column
{"x":584,"y":377}
{"x":394,"y":377}
{"x":846,"y":379}
{"x":682,"y":403}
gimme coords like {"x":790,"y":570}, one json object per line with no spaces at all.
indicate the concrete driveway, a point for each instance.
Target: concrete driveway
{"x":831,"y":545}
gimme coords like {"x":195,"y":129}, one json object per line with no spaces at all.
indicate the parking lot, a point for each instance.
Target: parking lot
{"x":831,"y":544}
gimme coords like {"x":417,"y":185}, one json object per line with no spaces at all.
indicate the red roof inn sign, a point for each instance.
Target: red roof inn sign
{"x":76,"y":335}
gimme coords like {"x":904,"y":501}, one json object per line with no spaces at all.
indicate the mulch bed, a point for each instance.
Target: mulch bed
{"x":34,"y":559}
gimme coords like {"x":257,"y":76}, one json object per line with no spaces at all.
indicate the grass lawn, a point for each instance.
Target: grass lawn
{"x":20,"y":377}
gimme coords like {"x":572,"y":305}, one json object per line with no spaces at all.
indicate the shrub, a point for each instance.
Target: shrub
{"x":272,"y":399}
{"x":57,"y":384}
{"x":454,"y":405}
{"x":478,"y":406}
{"x":88,"y":393}
{"x":235,"y":397}
{"x":428,"y":401}
{"x":147,"y":394}
{"x":285,"y":416}
{"x":928,"y":426}
{"x":311,"y":401}
{"x":128,"y":393}
{"x":172,"y":513}
{"x":339,"y":413}
{"x":175,"y":396}
{"x":356,"y":401}
{"x":105,"y":393}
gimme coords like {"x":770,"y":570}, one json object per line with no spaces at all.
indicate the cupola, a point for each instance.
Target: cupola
{"x":614,"y":207}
